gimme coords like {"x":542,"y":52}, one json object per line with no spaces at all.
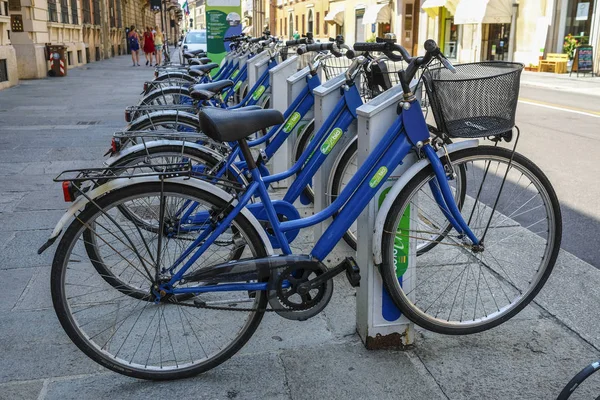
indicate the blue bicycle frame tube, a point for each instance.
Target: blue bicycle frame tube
{"x":237,"y":83}
{"x":260,"y":86}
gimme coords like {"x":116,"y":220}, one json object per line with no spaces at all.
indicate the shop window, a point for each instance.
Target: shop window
{"x":79,"y":57}
{"x":119,"y":49}
{"x":579,"y":20}
{"x":450,"y":38}
{"x":97,"y":53}
{"x":3,"y":71}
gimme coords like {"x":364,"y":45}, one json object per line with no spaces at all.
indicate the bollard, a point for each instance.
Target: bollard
{"x":326,"y":97}
{"x":283,"y":158}
{"x":379,"y":322}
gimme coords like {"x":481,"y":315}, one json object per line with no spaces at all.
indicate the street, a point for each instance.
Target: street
{"x":50,"y":125}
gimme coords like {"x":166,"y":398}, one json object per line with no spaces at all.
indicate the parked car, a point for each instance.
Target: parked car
{"x":193,"y":40}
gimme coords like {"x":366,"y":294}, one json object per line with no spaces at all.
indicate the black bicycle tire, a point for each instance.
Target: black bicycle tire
{"x":61,"y":308}
{"x":577,"y":380}
{"x":388,"y":272}
{"x":171,"y":90}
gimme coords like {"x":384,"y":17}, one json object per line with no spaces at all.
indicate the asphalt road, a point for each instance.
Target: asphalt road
{"x":560,"y":132}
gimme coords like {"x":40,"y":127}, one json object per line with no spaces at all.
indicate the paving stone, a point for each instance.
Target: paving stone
{"x":21,"y":390}
{"x":14,"y":283}
{"x":36,"y":295}
{"x":29,"y":220}
{"x":350,"y":371}
{"x":521,"y":359}
{"x":21,"y":250}
{"x":35,"y":346}
{"x":258,"y":376}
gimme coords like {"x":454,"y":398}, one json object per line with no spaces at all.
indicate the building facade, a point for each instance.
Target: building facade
{"x":90,"y":30}
{"x":510,"y":30}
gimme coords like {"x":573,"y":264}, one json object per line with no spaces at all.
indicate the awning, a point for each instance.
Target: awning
{"x":431,"y":7}
{"x":335,"y":15}
{"x":483,"y":12}
{"x":377,"y":14}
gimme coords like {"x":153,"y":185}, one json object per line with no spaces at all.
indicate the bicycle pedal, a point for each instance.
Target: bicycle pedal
{"x":352,"y":272}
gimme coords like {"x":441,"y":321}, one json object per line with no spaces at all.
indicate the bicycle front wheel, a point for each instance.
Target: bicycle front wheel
{"x":132,"y":334}
{"x":452,"y":288}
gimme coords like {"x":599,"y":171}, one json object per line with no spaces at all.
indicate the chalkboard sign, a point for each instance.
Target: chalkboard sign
{"x":583,"y":60}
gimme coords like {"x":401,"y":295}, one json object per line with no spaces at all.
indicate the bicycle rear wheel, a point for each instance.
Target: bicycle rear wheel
{"x":453,"y":289}
{"x":136,"y":336}
{"x":580,"y":387}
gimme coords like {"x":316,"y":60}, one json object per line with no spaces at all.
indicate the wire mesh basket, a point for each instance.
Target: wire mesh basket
{"x":480,"y":100}
{"x":334,"y":66}
{"x":381,"y":75}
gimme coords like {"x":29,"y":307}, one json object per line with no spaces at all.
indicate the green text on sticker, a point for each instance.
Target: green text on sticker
{"x":333,"y":138}
{"x":291,"y":122}
{"x":259,"y":91}
{"x":376,"y":179}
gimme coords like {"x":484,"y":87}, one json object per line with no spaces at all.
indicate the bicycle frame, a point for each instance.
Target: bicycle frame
{"x":408,"y":131}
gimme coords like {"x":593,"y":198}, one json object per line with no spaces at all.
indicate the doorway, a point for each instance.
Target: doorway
{"x":494,"y":44}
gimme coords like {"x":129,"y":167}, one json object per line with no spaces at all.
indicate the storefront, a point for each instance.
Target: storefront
{"x":440,"y":14}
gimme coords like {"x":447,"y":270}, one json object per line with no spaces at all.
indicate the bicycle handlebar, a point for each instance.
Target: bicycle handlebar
{"x":332,"y":47}
{"x":296,"y":42}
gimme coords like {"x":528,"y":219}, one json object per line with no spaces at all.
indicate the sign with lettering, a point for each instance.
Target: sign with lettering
{"x":584,"y":59}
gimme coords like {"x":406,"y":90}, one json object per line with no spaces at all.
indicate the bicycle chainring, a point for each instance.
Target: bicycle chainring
{"x":288,"y":303}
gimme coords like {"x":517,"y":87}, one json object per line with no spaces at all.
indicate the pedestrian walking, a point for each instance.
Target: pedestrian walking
{"x":158,"y":45}
{"x":134,"y":45}
{"x":296,"y":35}
{"x":148,"y":45}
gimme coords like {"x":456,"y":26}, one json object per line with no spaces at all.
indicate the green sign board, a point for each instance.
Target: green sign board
{"x":223,"y":19}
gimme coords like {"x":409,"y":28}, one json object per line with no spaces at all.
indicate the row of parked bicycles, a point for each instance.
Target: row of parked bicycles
{"x":170,"y":256}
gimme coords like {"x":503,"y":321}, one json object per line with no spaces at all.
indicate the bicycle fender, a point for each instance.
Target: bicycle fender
{"x":171,"y":113}
{"x":395,"y":190}
{"x":158,"y":143}
{"x":80,"y":203}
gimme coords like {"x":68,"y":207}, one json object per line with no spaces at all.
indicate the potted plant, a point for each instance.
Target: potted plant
{"x":569,"y":47}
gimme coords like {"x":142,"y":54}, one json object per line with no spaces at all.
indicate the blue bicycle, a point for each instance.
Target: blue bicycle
{"x":199,"y":283}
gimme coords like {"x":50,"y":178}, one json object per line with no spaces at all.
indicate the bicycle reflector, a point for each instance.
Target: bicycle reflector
{"x":127,"y":116}
{"x":145,"y":87}
{"x":68,"y":191}
{"x":115,"y":145}
{"x":155,"y":73}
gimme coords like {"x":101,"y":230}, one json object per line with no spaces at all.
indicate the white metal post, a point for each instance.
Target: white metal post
{"x":378,"y":321}
{"x":280,"y":101}
{"x":256,"y":66}
{"x":326,"y":97}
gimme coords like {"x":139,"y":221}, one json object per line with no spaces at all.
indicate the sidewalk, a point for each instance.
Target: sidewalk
{"x":54,"y":124}
{"x":585,"y":84}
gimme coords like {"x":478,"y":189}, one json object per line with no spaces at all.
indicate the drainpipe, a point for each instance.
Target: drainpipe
{"x":513,"y":31}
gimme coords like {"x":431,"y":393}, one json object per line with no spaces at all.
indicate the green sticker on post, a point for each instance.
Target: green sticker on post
{"x":259,"y":91}
{"x":237,"y":86}
{"x":379,"y":175}
{"x":291,"y":122}
{"x":402,"y":244}
{"x":333,"y":138}
{"x":235,"y":73}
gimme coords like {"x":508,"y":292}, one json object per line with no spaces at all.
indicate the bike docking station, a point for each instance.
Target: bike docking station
{"x":280,"y":100}
{"x":257,"y":65}
{"x":326,"y":97}
{"x":379,"y":323}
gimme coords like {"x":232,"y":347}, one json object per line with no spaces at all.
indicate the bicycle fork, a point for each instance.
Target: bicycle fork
{"x":443,"y":196}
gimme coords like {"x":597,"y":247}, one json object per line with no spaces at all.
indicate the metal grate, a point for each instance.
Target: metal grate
{"x":3,"y":71}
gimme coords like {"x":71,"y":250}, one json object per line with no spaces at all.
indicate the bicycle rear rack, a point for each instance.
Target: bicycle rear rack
{"x":133,"y":112}
{"x":131,"y":171}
